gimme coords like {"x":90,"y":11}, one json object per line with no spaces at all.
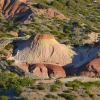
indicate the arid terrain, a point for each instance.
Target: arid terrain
{"x":49,"y":49}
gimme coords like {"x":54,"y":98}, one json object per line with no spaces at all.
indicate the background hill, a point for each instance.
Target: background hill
{"x":71,"y":21}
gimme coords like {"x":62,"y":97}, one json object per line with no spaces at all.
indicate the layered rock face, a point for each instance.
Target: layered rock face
{"x":43,"y":48}
{"x":91,"y":68}
{"x":47,"y":70}
{"x":17,"y":8}
{"x":43,"y":56}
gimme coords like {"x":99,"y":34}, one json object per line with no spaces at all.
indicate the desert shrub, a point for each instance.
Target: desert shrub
{"x":74,"y":83}
{"x":4,"y":53}
{"x":25,"y":81}
{"x":6,"y":35}
{"x":41,"y":87}
{"x":55,"y":32}
{"x":25,"y":98}
{"x":60,"y":83}
{"x":75,"y":87}
{"x":50,"y":27}
{"x":68,"y":91}
{"x":61,"y":36}
{"x":9,"y":46}
{"x":67,"y":42}
{"x":54,"y":88}
{"x":68,"y":96}
{"x":34,"y":87}
{"x":9,"y":62}
{"x":90,"y":93}
{"x":9,"y":81}
{"x":12,"y":74}
{"x":42,"y":6}
{"x":86,"y":84}
{"x":52,"y":96}
{"x":19,"y":90}
{"x":58,"y":5}
{"x":3,"y":98}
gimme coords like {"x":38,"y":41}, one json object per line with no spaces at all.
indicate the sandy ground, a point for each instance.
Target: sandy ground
{"x":81,"y":78}
{"x":65,"y":80}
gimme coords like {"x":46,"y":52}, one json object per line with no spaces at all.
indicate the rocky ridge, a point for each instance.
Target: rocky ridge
{"x":91,"y":68}
{"x":19,"y":8}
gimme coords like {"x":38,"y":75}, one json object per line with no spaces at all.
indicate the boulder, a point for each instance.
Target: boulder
{"x":55,"y":71}
{"x":47,"y":70}
{"x":91,"y":68}
{"x":39,"y":70}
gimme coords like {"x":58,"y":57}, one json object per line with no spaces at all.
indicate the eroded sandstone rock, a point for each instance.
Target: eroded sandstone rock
{"x":91,"y":68}
{"x":50,"y":13}
{"x":16,"y":8}
{"x":47,"y":70}
{"x":43,"y":48}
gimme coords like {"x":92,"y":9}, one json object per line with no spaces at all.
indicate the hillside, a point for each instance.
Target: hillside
{"x":49,"y":49}
{"x":71,"y":21}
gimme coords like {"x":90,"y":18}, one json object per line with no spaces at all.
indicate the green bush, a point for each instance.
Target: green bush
{"x":75,"y":87}
{"x":4,"y":53}
{"x":42,"y":6}
{"x":6,"y":35}
{"x":41,"y":88}
{"x":50,"y":27}
{"x":9,"y":81}
{"x":9,"y":62}
{"x":19,"y":90}
{"x":68,"y":91}
{"x":67,"y":42}
{"x":90,"y":93}
{"x":12,"y":74}
{"x":55,"y":32}
{"x":74,"y":83}
{"x":54,"y":88}
{"x":52,"y":96}
{"x":25,"y":98}
{"x":60,"y":83}
{"x":68,"y":96}
{"x":34,"y":87}
{"x":9,"y":46}
{"x":3,"y":98}
{"x":26,"y":81}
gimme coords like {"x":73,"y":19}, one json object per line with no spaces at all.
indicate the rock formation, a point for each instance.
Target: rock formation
{"x":43,"y":48}
{"x":50,"y":13}
{"x":16,"y":8}
{"x":43,"y":56}
{"x":47,"y":70}
{"x":91,"y":68}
